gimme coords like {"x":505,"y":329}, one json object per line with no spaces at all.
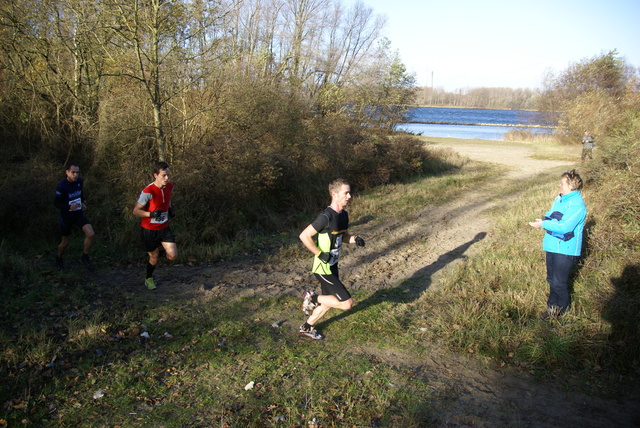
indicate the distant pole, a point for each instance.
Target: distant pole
{"x":432,"y":80}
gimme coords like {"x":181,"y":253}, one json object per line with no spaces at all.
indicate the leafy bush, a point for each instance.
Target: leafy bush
{"x":254,"y":177}
{"x":258,"y":159}
{"x":614,"y":235}
{"x":590,"y":95}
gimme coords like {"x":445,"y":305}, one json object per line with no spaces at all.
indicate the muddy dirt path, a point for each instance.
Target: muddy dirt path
{"x":428,"y":245}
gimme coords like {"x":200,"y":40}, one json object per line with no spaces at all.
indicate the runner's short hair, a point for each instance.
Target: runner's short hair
{"x":573,"y":178}
{"x":159,"y":166}
{"x":68,"y":166}
{"x":336,"y":185}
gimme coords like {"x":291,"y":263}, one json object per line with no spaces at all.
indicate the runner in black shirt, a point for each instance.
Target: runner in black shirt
{"x":332,"y":228}
{"x":70,"y":201}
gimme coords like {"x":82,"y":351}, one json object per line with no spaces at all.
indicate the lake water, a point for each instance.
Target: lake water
{"x":469,"y":123}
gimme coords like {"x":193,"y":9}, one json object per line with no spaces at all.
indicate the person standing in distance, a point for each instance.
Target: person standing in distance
{"x":332,"y":228}
{"x":71,"y":202}
{"x":588,"y":143}
{"x":564,"y":226}
{"x":154,"y":208}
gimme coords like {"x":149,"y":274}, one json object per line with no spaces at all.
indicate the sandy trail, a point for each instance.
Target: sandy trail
{"x":427,"y":246}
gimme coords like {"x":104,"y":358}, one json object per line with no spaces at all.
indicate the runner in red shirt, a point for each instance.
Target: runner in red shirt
{"x":154,"y":208}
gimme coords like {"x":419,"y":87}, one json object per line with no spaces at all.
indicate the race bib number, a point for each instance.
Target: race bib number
{"x":78,"y":205}
{"x":163,"y":218}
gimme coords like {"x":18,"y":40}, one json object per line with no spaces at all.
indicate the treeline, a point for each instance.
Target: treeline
{"x":246,"y":101}
{"x":490,"y":98}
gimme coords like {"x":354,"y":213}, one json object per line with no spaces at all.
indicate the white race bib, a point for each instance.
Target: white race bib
{"x":163,"y":218}
{"x":78,"y":203}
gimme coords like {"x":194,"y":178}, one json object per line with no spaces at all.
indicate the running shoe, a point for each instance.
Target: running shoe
{"x":59,"y":263}
{"x":86,"y":261}
{"x":150,"y":284}
{"x":307,"y":306}
{"x":311,"y":332}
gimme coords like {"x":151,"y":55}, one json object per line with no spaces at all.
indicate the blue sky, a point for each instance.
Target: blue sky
{"x":505,"y":43}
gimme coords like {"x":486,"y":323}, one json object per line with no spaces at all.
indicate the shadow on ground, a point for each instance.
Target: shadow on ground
{"x":622,"y":311}
{"x":411,"y":288}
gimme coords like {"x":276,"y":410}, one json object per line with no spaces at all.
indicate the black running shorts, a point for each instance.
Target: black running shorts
{"x":331,"y":284}
{"x":66,"y":222}
{"x":152,"y":239}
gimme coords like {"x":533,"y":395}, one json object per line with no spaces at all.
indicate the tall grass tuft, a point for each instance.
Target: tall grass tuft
{"x":529,"y":135}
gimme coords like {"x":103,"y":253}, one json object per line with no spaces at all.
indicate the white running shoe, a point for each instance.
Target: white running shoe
{"x":307,"y":306}
{"x":312,"y":333}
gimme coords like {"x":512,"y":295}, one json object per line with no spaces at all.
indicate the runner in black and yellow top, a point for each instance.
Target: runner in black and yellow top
{"x":332,"y":228}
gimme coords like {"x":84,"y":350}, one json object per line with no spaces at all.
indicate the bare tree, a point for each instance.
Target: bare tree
{"x":303,"y":26}
{"x":82,"y":61}
{"x":161,"y":44}
{"x":49,"y":49}
{"x":362,"y":29}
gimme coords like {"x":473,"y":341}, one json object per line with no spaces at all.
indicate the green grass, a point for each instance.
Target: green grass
{"x":197,"y":373}
{"x":401,"y":200}
{"x":63,"y":337}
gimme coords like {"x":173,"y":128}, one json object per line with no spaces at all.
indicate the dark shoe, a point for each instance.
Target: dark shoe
{"x":86,"y":261}
{"x":59,"y":263}
{"x":311,"y":332}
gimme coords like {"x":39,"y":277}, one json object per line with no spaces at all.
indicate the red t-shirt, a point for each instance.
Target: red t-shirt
{"x":154,"y":198}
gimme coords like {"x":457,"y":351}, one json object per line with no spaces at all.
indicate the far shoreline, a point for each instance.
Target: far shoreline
{"x":510,"y":125}
{"x":468,"y":108}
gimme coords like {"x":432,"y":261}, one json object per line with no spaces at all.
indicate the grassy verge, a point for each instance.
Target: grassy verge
{"x":543,"y":148}
{"x":194,"y":368}
{"x":73,"y":353}
{"x":490,"y":304}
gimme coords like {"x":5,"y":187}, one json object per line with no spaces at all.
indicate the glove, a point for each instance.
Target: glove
{"x":171,"y":213}
{"x":156,"y":215}
{"x":325,"y":257}
{"x":359,"y":241}
{"x":556,"y":215}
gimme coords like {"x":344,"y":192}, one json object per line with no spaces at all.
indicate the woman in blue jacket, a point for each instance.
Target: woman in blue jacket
{"x":564,"y":224}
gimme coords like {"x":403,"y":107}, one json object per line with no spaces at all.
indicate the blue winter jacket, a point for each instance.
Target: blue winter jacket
{"x":564,"y":224}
